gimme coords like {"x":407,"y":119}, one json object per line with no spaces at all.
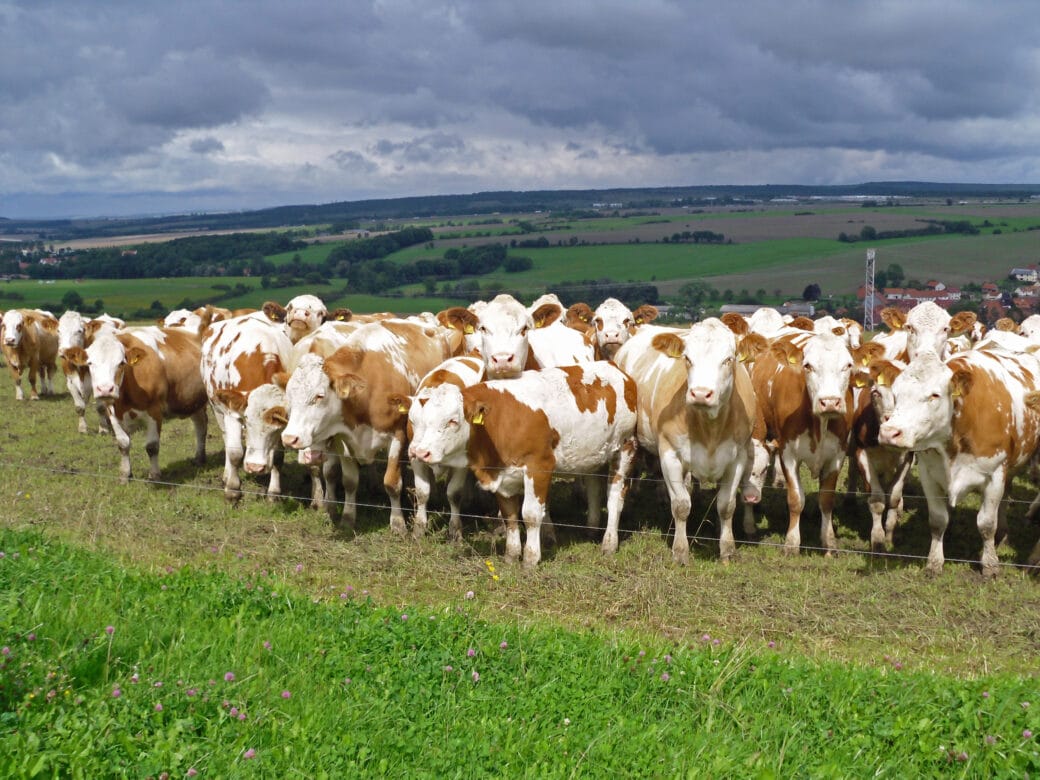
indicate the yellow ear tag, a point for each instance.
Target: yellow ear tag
{"x":639,"y":320}
{"x":675,"y":354}
{"x":133,"y":361}
{"x":341,"y":317}
{"x":468,"y":330}
{"x":861,"y":382}
{"x":880,"y":380}
{"x":539,"y":323}
{"x":865,"y":361}
{"x":478,"y":418}
{"x":402,"y":409}
{"x":791,"y":359}
{"x":272,"y":317}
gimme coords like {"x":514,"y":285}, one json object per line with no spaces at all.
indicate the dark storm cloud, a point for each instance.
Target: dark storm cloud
{"x":111,"y":94}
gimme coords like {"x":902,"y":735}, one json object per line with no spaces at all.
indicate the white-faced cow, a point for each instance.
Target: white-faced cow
{"x":803,"y":391}
{"x":697,"y":413}
{"x":30,"y":341}
{"x":515,"y":434}
{"x":240,"y":355}
{"x":461,"y":372}
{"x":302,"y":315}
{"x":146,"y":375}
{"x":348,"y":397}
{"x":968,"y":421}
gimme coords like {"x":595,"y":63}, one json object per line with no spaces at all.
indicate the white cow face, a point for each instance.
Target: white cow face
{"x":709,"y":349}
{"x":503,"y":328}
{"x":927,"y":329}
{"x":13,"y":324}
{"x":314,"y":409}
{"x":827,"y":366}
{"x":265,"y":418}
{"x":303,"y":314}
{"x":614,"y":323}
{"x":107,"y":360}
{"x":919,"y":408}
{"x":72,"y":331}
{"x":440,"y":432}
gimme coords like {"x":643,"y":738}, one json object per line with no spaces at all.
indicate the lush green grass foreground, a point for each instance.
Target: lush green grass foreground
{"x":253,"y":677}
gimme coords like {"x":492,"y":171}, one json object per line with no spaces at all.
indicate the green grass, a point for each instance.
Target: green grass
{"x":97,"y":679}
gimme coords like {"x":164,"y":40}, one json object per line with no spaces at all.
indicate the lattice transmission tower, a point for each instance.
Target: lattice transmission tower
{"x":868,"y":293}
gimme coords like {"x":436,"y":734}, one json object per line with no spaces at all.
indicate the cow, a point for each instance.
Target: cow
{"x":514,"y":434}
{"x":971,"y":428}
{"x":555,"y":344}
{"x":612,"y":323}
{"x":883,"y":469}
{"x":239,"y":355}
{"x":697,"y":413}
{"x":461,"y":372}
{"x":927,"y":326}
{"x":347,"y":396}
{"x":72,"y":332}
{"x":30,"y":341}
{"x":147,"y":374}
{"x":804,"y":394}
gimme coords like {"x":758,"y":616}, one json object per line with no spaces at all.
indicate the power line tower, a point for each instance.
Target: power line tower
{"x":868,"y":293}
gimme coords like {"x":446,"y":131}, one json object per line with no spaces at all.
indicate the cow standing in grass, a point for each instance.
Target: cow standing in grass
{"x":30,"y":341}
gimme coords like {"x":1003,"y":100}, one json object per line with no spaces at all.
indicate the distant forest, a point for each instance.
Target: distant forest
{"x":351,"y":213}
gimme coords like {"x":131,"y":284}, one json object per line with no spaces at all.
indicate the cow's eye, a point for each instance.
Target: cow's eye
{"x":808,"y":368}
{"x":523,"y":331}
{"x":453,"y":423}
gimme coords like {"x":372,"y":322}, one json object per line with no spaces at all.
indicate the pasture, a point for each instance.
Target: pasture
{"x":770,"y":666}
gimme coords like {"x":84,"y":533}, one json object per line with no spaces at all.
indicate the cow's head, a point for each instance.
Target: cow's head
{"x":615,"y":323}
{"x":501,"y":326}
{"x":72,"y":331}
{"x":265,"y":418}
{"x":13,"y":326}
{"x":709,"y":350}
{"x":440,"y":430}
{"x":919,"y":408}
{"x":827,"y":366}
{"x":313,"y":408}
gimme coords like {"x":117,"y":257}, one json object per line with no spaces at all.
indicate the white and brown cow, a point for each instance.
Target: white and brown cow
{"x":515,"y":434}
{"x":350,"y":396}
{"x":612,"y":323}
{"x":502,"y":327}
{"x":30,"y":341}
{"x":240,"y":355}
{"x":803,"y":390}
{"x":461,"y":372}
{"x":697,"y":413}
{"x":147,"y":375}
{"x":969,"y":423}
{"x":927,"y":326}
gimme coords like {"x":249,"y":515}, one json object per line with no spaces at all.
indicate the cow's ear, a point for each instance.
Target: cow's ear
{"x":1033,"y":400}
{"x":459,"y":318}
{"x":668,"y":343}
{"x":134,"y":355}
{"x":960,"y":383}
{"x":865,"y":354}
{"x":786,"y":352}
{"x":232,"y":399}
{"x":347,"y":385}
{"x":644,"y":314}
{"x":580,"y":311}
{"x":281,"y":379}
{"x":273,"y":311}
{"x":735,"y":322}
{"x":339,"y":315}
{"x":475,"y":412}
{"x":751,"y":346}
{"x":546,"y":314}
{"x":961,"y":322}
{"x":77,"y":356}
{"x":276,"y":417}
{"x":399,"y":403}
{"x":893,"y":317}
{"x":1006,"y":324}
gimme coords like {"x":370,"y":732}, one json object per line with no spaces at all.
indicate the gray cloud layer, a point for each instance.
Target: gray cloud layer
{"x":117,"y":106}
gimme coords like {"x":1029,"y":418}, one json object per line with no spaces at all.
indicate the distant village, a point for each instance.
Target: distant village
{"x":993,"y":302}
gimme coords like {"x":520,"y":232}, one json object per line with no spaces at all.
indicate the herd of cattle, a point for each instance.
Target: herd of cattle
{"x":515,"y":395}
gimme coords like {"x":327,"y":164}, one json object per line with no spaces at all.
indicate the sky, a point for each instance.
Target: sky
{"x":132,"y":107}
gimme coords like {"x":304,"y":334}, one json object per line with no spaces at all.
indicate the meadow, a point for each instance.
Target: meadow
{"x":151,"y":627}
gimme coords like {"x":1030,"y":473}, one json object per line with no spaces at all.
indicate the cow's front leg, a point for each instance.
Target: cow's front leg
{"x":509,"y":507}
{"x":151,"y":446}
{"x":393,"y":483}
{"x":674,"y":479}
{"x":536,"y":496}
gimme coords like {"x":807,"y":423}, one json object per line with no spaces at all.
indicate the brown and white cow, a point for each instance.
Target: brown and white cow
{"x":515,"y":434}
{"x":461,"y":372}
{"x":239,"y":355}
{"x":927,"y":326}
{"x":350,"y":396}
{"x":697,"y":413}
{"x":612,"y":323}
{"x":147,"y":375}
{"x":30,"y":341}
{"x":803,"y":391}
{"x":969,"y":423}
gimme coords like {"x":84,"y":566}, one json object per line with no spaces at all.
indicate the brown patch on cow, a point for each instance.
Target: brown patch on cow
{"x":867,"y":353}
{"x":587,"y":397}
{"x":893,"y":318}
{"x":443,"y":376}
{"x":803,"y":323}
{"x":579,"y":313}
{"x":276,"y":417}
{"x":961,"y":322}
{"x":234,"y":400}
{"x":668,"y":343}
{"x":459,"y":318}
{"x":751,"y":346}
{"x":274,"y":311}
